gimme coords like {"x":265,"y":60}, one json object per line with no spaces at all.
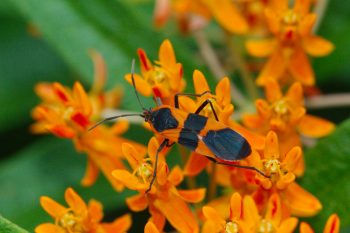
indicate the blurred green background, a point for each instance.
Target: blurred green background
{"x":32,"y":166}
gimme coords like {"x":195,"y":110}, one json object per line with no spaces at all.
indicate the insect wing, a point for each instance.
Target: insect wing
{"x":227,"y":144}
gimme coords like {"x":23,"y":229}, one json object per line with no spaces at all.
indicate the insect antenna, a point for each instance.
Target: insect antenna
{"x":112,"y":118}
{"x":134,"y":84}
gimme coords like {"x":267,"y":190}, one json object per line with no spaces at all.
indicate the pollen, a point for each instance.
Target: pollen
{"x":231,"y":227}
{"x":266,"y":227}
{"x":144,"y":172}
{"x":70,"y":223}
{"x":280,"y":107}
{"x":273,"y":165}
{"x":290,"y":18}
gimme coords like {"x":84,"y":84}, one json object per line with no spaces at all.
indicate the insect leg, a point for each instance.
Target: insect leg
{"x":202,"y":106}
{"x":160,"y":148}
{"x":238,"y":166}
{"x":187,"y":94}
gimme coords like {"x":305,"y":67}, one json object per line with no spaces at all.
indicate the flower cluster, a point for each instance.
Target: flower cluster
{"x":255,"y":192}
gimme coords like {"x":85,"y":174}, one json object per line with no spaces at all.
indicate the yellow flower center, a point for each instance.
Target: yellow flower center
{"x":281,"y":107}
{"x":273,"y":166}
{"x":290,"y":18}
{"x":266,"y":227}
{"x":157,"y":76}
{"x":71,"y":223}
{"x":144,"y":172}
{"x":231,"y":227}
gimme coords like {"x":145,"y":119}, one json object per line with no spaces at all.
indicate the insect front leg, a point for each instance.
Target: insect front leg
{"x":203,"y":105}
{"x":160,"y":148}
{"x":176,"y":99}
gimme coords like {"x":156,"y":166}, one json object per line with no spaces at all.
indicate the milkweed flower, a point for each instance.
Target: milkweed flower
{"x":332,"y":225}
{"x":164,"y":200}
{"x":293,"y":39}
{"x":281,"y":169}
{"x":79,"y":216}
{"x":68,"y":113}
{"x":163,"y":79}
{"x":195,"y":14}
{"x":244,"y":217}
{"x":286,"y":115}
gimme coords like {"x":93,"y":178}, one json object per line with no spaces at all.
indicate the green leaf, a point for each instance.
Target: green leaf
{"x":327,"y":176}
{"x":110,"y":27}
{"x":335,"y":28}
{"x":8,"y":227}
{"x":47,"y":167}
{"x":24,"y":61}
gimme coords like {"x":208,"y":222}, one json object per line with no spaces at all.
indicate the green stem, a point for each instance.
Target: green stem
{"x":239,"y":62}
{"x":215,"y":67}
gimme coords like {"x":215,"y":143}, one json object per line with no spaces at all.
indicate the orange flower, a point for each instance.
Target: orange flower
{"x":281,"y":169}
{"x":332,"y":225}
{"x":285,"y":114}
{"x":79,"y":216}
{"x":164,"y":200}
{"x":293,"y":38}
{"x":164,"y":79}
{"x":68,"y":113}
{"x":194,"y":14}
{"x":244,"y":217}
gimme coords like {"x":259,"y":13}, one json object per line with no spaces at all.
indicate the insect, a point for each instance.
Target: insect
{"x":201,"y":134}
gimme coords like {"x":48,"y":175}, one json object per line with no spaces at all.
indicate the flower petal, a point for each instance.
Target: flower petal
{"x":167,"y":55}
{"x":272,"y":91}
{"x":195,"y":164}
{"x":285,"y":180}
{"x":305,"y":228}
{"x":176,"y":176}
{"x":302,"y":7}
{"x":134,"y":158}
{"x":295,"y":94}
{"x":52,"y":207}
{"x":142,"y":85}
{"x":301,"y":202}
{"x":306,"y":25}
{"x":261,"y":48}
{"x":193,"y":195}
{"x":146,"y":65}
{"x":75,"y":201}
{"x":300,"y":68}
{"x":317,"y":46}
{"x":273,"y":69}
{"x":288,"y":225}
{"x":292,"y":158}
{"x":162,"y":11}
{"x":315,"y":127}
{"x":235,"y":206}
{"x":49,"y":228}
{"x":82,"y":98}
{"x":95,"y":210}
{"x":225,"y":13}
{"x":273,"y":21}
{"x":130,"y":181}
{"x":252,"y":121}
{"x":211,"y":214}
{"x":137,"y":202}
{"x":178,"y":214}
{"x":274,"y":211}
{"x":222,"y":92}
{"x":91,"y":174}
{"x":151,"y":228}
{"x":271,"y":150}
{"x":250,"y":210}
{"x":255,"y":140}
{"x":332,"y":225}
{"x":200,"y":82}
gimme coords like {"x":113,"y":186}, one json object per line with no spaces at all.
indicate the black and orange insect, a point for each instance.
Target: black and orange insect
{"x":201,"y":134}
